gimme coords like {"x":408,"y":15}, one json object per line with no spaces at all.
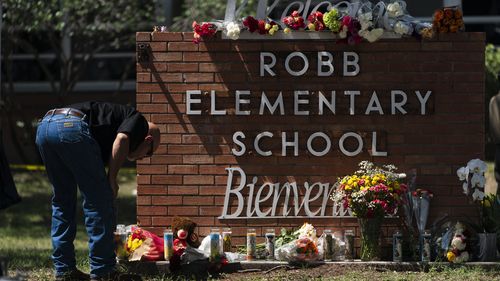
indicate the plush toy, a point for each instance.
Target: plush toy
{"x":184,"y":236}
{"x":457,"y":252}
{"x":184,"y":233}
{"x":180,"y":241}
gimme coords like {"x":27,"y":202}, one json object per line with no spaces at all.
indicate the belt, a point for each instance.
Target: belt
{"x":66,"y":111}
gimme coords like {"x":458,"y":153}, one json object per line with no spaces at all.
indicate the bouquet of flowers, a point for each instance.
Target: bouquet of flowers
{"x":205,"y":30}
{"x":303,"y":248}
{"x":316,"y":21}
{"x":421,"y":202}
{"x":371,"y":191}
{"x":262,"y":26}
{"x":144,"y":245}
{"x":332,"y":20}
{"x":295,"y":21}
{"x":448,"y":20}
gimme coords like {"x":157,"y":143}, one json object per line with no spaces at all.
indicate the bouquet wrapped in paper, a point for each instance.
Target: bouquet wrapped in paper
{"x":303,"y":249}
{"x":144,"y":245}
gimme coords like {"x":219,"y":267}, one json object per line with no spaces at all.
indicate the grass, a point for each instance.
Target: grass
{"x":25,"y":227}
{"x":25,"y":241}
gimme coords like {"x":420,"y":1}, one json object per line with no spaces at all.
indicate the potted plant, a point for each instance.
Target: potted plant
{"x":474,"y":181}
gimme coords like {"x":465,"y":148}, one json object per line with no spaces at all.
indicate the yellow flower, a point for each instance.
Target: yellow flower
{"x":486,"y":203}
{"x":450,"y":256}
{"x":287,"y":30}
{"x":267,"y":26}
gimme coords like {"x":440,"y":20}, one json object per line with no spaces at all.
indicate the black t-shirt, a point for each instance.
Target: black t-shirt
{"x":106,"y":120}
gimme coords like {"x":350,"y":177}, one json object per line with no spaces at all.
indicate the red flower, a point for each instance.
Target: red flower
{"x":206,"y":30}
{"x":251,"y":23}
{"x":262,"y":27}
{"x":316,"y":19}
{"x":294,"y":21}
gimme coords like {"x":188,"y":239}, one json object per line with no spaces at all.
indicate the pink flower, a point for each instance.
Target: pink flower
{"x":294,"y":21}
{"x":316,"y":19}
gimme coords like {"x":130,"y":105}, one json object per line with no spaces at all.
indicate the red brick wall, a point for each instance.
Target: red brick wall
{"x":187,"y":174}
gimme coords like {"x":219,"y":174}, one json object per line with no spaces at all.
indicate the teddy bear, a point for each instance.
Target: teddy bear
{"x":184,"y":233}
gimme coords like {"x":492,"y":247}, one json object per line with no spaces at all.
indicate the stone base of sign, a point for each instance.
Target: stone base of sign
{"x":201,"y":268}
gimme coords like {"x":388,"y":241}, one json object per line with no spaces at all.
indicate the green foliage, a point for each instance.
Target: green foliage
{"x":491,"y":215}
{"x":492,"y":63}
{"x":206,"y":10}
{"x":100,"y":20}
{"x":492,"y":59}
{"x":332,"y":20}
{"x":286,"y":236}
{"x":73,"y":30}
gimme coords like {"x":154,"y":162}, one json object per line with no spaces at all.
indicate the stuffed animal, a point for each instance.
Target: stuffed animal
{"x":457,"y":252}
{"x":184,"y":233}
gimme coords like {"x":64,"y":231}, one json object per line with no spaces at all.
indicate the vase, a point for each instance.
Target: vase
{"x":370,"y":238}
{"x":487,"y":246}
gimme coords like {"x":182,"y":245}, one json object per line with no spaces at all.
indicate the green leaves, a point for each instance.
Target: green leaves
{"x":492,"y":59}
{"x":286,"y":236}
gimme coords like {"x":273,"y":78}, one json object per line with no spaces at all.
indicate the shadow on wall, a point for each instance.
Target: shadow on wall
{"x":235,"y":66}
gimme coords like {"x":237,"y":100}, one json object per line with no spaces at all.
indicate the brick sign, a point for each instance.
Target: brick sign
{"x":256,"y":132}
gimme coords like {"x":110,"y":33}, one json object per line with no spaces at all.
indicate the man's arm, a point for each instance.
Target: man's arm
{"x":119,"y":153}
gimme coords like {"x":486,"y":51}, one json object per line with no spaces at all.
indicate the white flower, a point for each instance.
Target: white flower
{"x":395,"y":10}
{"x":372,"y":36}
{"x":477,"y":195}
{"x":402,"y":28}
{"x":465,"y":187}
{"x":478,"y":180}
{"x":307,"y":230}
{"x":233,"y":30}
{"x":365,"y":20}
{"x":463,"y":173}
{"x":477,"y":166}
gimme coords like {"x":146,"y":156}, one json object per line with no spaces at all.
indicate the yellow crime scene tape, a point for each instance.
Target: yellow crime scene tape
{"x":27,"y":167}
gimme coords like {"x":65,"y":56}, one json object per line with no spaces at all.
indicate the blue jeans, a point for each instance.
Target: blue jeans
{"x":72,"y":157}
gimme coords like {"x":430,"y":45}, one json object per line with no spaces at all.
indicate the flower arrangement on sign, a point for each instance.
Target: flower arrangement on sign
{"x":371,"y":191}
{"x":447,"y":20}
{"x":352,"y":22}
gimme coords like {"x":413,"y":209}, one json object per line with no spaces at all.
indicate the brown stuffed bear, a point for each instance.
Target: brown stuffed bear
{"x":184,"y":230}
